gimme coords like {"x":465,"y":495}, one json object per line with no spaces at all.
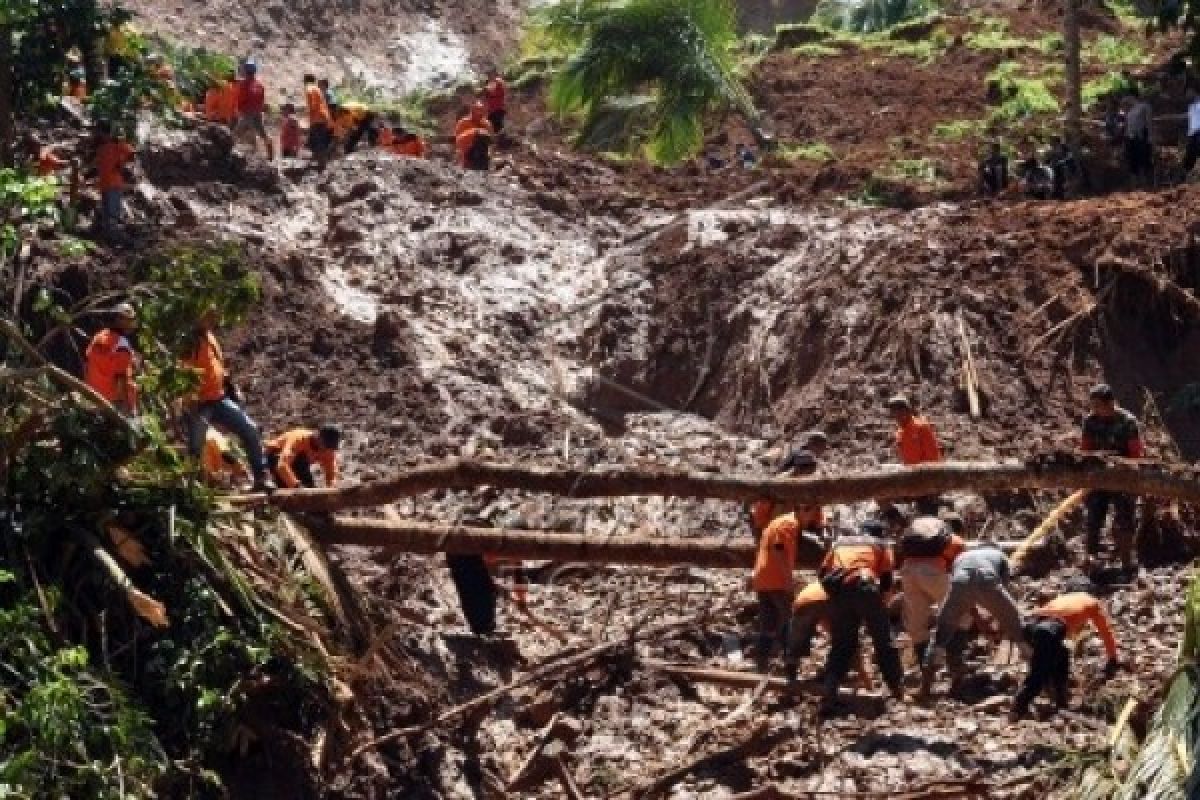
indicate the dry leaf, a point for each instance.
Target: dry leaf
{"x":147,"y":607}
{"x":129,"y":548}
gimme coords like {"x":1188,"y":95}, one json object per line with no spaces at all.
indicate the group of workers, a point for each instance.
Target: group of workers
{"x":111,"y":364}
{"x":943,"y":583}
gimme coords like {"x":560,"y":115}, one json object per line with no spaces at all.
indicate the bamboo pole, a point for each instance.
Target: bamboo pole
{"x":1053,"y":471}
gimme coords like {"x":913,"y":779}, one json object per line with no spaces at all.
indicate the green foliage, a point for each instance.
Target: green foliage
{"x":1111,"y":84}
{"x":24,"y":202}
{"x":413,"y":109}
{"x":681,"y":53}
{"x":1114,"y":51}
{"x":816,"y":51}
{"x":196,"y":68}
{"x":133,"y":89}
{"x":920,"y":170}
{"x":63,"y":725}
{"x":869,"y":16}
{"x":1021,"y":97}
{"x":958,"y":129}
{"x":926,"y":50}
{"x":813,"y":151}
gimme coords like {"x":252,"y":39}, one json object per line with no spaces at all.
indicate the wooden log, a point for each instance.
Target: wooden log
{"x":760,"y":741}
{"x":1054,"y":471}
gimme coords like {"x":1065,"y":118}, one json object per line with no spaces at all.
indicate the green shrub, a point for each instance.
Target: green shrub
{"x":959,"y":129}
{"x":921,"y":170}
{"x":813,"y":151}
{"x":1107,"y":85}
{"x":1114,"y":51}
{"x":816,"y":51}
{"x":1021,"y":97}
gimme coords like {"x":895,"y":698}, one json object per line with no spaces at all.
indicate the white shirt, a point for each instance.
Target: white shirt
{"x":1194,"y":118}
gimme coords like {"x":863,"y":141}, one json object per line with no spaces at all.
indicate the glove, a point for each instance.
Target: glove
{"x":1111,"y":667}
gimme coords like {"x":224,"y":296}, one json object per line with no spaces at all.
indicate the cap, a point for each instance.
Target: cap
{"x":1101,"y":391}
{"x":927,"y":527}
{"x":871,"y":527}
{"x":250,"y":66}
{"x":797,"y":461}
{"x":809,"y":438}
{"x":898,"y":401}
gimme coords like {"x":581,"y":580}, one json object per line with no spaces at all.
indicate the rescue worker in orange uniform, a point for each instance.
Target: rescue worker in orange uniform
{"x":77,"y":84}
{"x":320,"y":121}
{"x":251,"y":109}
{"x":495,"y":99}
{"x":408,"y":144}
{"x":916,"y":443}
{"x":857,"y":573}
{"x":774,"y":583}
{"x":1047,"y":631}
{"x":215,"y":404}
{"x":798,"y":464}
{"x":220,"y":101}
{"x":810,"y":612}
{"x":925,"y":557}
{"x":292,"y":455}
{"x":220,"y":464}
{"x":473,"y":138}
{"x":110,"y":361}
{"x":112,"y":155}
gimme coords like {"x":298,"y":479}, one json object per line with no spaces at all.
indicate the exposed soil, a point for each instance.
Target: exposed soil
{"x":565,"y":310}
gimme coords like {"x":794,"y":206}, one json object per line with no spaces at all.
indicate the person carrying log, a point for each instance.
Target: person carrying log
{"x":856,"y":573}
{"x":977,"y":580}
{"x":1111,"y":430}
{"x":797,"y":464}
{"x":1047,"y":632}
{"x":925,"y":555}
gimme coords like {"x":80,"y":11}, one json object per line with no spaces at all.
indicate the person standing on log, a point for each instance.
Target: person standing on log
{"x":1111,"y":430}
{"x":916,"y":443}
{"x":856,"y":574}
{"x":798,"y":464}
{"x":1047,"y":632}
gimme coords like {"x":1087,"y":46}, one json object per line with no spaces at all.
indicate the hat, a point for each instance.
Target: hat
{"x":871,"y":527}
{"x":1101,"y":391}
{"x":898,"y":401}
{"x":125,"y":311}
{"x":798,"y":460}
{"x":809,"y":438}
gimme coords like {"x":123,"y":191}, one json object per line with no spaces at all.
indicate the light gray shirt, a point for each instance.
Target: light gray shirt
{"x":984,"y":563}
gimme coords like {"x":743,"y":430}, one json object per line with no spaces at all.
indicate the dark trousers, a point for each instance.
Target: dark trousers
{"x":1139,"y":156}
{"x":774,"y":623}
{"x":1192,"y":153}
{"x":301,"y":468}
{"x":365,"y":128}
{"x":497,"y":119}
{"x":851,"y":608}
{"x":1124,"y":527}
{"x":476,"y":592}
{"x":1050,"y":664}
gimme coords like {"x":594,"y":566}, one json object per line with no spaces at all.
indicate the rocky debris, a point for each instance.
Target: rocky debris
{"x":205,"y":155}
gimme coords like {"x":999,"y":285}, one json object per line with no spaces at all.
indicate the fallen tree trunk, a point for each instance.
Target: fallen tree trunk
{"x":649,"y":551}
{"x":1055,"y":471}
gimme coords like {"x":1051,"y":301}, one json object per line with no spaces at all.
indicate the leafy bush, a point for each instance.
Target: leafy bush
{"x":1111,"y":84}
{"x":1114,"y":51}
{"x":958,"y":129}
{"x":1021,"y":97}
{"x":816,"y":51}
{"x":412,"y":109}
{"x":868,"y":16}
{"x":814,"y":151}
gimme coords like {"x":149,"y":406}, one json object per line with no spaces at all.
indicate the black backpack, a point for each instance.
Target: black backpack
{"x":926,"y":537}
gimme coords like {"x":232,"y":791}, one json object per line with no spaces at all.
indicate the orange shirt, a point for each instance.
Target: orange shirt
{"x":776,"y":559}
{"x":78,"y":91}
{"x":302,"y":442}
{"x":111,"y":156}
{"x":464,"y":135}
{"x":208,"y":359}
{"x":109,"y":360}
{"x":860,"y":554}
{"x":48,"y":163}
{"x":318,"y":111}
{"x":413,"y":148}
{"x":217,"y":460}
{"x":1077,"y":610}
{"x":228,"y":105}
{"x":763,"y":511}
{"x":916,"y":442}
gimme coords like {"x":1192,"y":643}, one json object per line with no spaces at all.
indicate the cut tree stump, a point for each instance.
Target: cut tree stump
{"x":1053,"y":471}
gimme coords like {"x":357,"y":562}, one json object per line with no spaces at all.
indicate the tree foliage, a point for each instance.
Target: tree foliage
{"x":679,"y":54}
{"x":868,"y":16}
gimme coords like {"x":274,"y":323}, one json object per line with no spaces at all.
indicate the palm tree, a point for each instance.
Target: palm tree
{"x":668,"y":63}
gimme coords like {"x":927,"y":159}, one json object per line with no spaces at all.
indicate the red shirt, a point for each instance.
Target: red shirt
{"x":110,"y":158}
{"x":917,"y":443}
{"x":251,"y":97}
{"x":289,"y":135}
{"x":495,"y":95}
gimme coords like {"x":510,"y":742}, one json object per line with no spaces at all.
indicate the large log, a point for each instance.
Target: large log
{"x":1056,"y":471}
